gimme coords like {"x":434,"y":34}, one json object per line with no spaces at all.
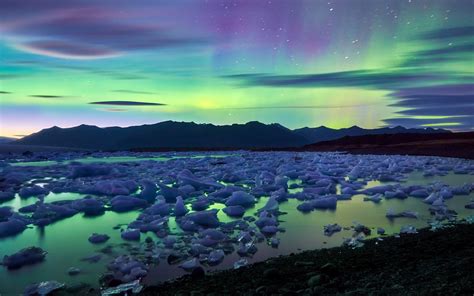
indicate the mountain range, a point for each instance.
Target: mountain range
{"x":171,"y":134}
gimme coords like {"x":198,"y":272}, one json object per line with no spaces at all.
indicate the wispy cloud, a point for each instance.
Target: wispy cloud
{"x":127,"y":91}
{"x":79,"y":30}
{"x":126,"y":103}
{"x":48,"y":96}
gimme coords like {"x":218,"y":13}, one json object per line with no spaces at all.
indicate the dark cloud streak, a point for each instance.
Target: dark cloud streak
{"x":126,"y":103}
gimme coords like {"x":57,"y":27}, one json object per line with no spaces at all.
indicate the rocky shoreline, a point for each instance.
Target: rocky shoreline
{"x":428,"y":263}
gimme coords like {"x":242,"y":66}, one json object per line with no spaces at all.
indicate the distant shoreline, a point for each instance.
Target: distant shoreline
{"x":458,"y":145}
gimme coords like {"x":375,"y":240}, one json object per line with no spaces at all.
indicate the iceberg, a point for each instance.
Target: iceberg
{"x":241,"y":198}
{"x":27,"y":256}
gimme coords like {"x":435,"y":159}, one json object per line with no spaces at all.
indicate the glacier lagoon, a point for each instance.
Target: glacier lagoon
{"x":280,"y":203}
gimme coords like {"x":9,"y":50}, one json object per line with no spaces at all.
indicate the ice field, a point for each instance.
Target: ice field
{"x":150,"y":217}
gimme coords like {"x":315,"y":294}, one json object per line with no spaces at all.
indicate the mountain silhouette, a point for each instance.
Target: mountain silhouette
{"x":322,"y":133}
{"x":171,"y":134}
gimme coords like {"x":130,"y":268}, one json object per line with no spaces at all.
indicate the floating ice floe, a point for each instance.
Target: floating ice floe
{"x":27,"y":256}
{"x":240,"y":263}
{"x":355,"y":242}
{"x":374,"y":198}
{"x":179,"y":208}
{"x":203,"y":218}
{"x":470,"y":205}
{"x":201,"y":204}
{"x":126,"y":269}
{"x":73,"y":271}
{"x":190,"y":265}
{"x":215,"y":257}
{"x":241,"y":198}
{"x":421,"y":193}
{"x":408,"y":229}
{"x":34,"y":190}
{"x":391,"y":214}
{"x":90,"y":206}
{"x":96,"y":238}
{"x":131,"y":234}
{"x":330,"y":229}
{"x":360,"y":228}
{"x":135,"y":287}
{"x":43,"y":288}
{"x":11,"y":227}
{"x":123,"y":203}
{"x":234,"y":211}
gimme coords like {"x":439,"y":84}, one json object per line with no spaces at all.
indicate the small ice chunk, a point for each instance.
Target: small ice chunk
{"x":169,"y":193}
{"x":96,"y":238}
{"x":190,"y":265}
{"x":395,"y":194}
{"x":274,"y":242}
{"x":123,"y":203}
{"x":201,"y":204}
{"x":73,"y":271}
{"x":330,"y":229}
{"x":325,"y":203}
{"x":90,"y":206}
{"x":408,"y":229}
{"x":94,"y":258}
{"x":241,"y":198}
{"x":234,"y":211}
{"x":179,"y":208}
{"x":355,"y":242}
{"x":213,"y":234}
{"x":34,"y":190}
{"x":305,"y":207}
{"x":215,"y":257}
{"x":269,"y":229}
{"x":374,"y":198}
{"x":421,"y":193}
{"x":360,"y":228}
{"x":405,"y":214}
{"x":240,"y":263}
{"x":43,"y":288}
{"x":131,"y":235}
{"x":148,"y":192}
{"x":159,"y":208}
{"x":431,"y":198}
{"x":470,"y":206}
{"x":11,"y":227}
{"x":247,"y":249}
{"x":169,"y":241}
{"x":204,"y":218}
{"x":135,"y":287}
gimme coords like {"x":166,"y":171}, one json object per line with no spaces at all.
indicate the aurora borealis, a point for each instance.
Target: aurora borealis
{"x":299,"y":63}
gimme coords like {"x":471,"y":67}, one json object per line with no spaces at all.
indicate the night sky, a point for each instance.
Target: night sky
{"x":340,"y":63}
